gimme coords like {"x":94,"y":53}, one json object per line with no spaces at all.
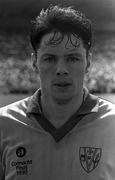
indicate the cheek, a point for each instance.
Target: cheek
{"x":78,"y":71}
{"x":45,"y":73}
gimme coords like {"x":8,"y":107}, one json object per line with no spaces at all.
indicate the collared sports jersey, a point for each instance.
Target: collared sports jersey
{"x":31,"y":148}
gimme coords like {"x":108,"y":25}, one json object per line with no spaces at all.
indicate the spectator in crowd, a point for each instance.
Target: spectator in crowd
{"x":62,"y":131}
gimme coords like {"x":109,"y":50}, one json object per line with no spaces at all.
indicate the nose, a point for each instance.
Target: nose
{"x":61,"y":68}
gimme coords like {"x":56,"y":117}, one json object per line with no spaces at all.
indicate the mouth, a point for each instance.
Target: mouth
{"x":63,"y":84}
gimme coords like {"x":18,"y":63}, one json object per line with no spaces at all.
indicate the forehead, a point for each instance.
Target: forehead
{"x":57,"y":43}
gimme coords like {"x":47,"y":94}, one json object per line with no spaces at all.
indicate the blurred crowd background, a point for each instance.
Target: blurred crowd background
{"x":16,"y":74}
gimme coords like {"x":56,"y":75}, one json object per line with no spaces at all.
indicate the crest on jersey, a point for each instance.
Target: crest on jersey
{"x":89,"y":158}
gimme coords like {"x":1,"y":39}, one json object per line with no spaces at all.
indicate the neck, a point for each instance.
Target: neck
{"x":58,"y":112}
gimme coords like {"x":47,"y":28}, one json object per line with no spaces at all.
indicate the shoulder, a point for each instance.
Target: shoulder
{"x":16,"y":106}
{"x":106,"y":113}
{"x":106,"y":106}
{"x":14,"y":111}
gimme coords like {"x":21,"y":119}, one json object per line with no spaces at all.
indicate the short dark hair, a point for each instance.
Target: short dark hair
{"x":65,"y":20}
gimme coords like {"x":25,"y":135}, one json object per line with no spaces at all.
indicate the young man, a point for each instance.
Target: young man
{"x":62,"y":132}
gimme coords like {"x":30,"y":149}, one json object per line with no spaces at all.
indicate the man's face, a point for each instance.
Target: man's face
{"x":62,"y":67}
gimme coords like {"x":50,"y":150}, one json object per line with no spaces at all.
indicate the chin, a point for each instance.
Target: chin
{"x":62,"y":101}
{"x":61,"y":95}
{"x":62,"y":98}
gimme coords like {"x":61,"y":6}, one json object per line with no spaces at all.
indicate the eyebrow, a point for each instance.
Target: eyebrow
{"x":66,"y":55}
{"x":69,"y":54}
{"x":48,"y":54}
{"x":73,"y":54}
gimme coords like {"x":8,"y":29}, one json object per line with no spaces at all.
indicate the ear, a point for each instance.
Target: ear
{"x":34,"y":62}
{"x":89,"y":59}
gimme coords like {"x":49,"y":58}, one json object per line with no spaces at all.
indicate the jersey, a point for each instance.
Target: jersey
{"x":31,"y":148}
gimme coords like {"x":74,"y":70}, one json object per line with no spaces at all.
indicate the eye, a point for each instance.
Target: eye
{"x":73,"y":58}
{"x":49,"y":59}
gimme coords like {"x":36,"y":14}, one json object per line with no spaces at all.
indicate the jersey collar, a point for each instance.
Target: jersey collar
{"x":90,"y":103}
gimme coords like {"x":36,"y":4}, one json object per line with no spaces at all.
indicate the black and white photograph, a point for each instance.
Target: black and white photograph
{"x":57,"y":89}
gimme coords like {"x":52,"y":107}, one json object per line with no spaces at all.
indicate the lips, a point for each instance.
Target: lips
{"x":62,"y":84}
